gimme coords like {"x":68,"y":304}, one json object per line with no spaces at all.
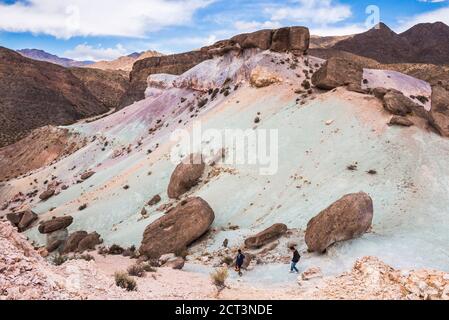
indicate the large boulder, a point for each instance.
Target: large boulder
{"x":338,"y":72}
{"x":56,"y":239}
{"x":178,"y":229}
{"x":47,"y":194}
{"x":281,"y":40}
{"x":89,"y":242}
{"x":439,"y":114}
{"x":260,"y":39}
{"x":268,"y":235}
{"x":72,"y":242}
{"x":22,"y":220}
{"x":55,"y":224}
{"x":185,"y":176}
{"x":348,"y":218}
{"x":398,"y":104}
{"x":299,"y":39}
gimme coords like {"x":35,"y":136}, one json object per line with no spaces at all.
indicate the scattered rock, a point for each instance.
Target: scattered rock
{"x":401,"y":121}
{"x":55,"y":224}
{"x":185,"y":176}
{"x":47,"y":194}
{"x":176,"y":263}
{"x":56,"y":239}
{"x":347,"y":218}
{"x":311,"y":273}
{"x":439,"y":114}
{"x":22,"y":220}
{"x":337,"y":72}
{"x":87,"y":175}
{"x":155,"y":200}
{"x":177,"y":229}
{"x":262,"y":238}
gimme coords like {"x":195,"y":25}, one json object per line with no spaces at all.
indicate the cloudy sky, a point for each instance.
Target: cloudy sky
{"x":106,"y":29}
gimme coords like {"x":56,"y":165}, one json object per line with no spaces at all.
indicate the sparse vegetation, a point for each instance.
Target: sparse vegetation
{"x":227,"y":260}
{"x":59,"y":260}
{"x":219,"y":277}
{"x":202,"y":102}
{"x":306,"y":84}
{"x":352,"y":167}
{"x":115,"y":250}
{"x":147,"y":267}
{"x":86,"y":257}
{"x":124,"y":281}
{"x":373,"y":172}
{"x":136,"y":270}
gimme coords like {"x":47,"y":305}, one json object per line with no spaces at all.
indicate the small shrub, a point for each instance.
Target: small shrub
{"x":115,"y":250}
{"x":228,"y":260}
{"x":136,"y":270}
{"x":149,"y":268}
{"x":86,"y":257}
{"x":219,"y":277}
{"x":124,"y":281}
{"x":306,"y":84}
{"x":373,"y":172}
{"x":202,"y":103}
{"x":352,"y":167}
{"x":59,"y":260}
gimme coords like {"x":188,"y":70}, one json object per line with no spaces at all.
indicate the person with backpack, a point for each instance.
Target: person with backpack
{"x":295,"y":260}
{"x":239,"y":262}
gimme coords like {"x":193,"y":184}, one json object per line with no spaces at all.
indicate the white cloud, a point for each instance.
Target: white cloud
{"x":133,"y":18}
{"x":250,"y":26}
{"x":439,"y":15}
{"x":312,"y":12}
{"x":338,"y":31}
{"x":85,"y":52}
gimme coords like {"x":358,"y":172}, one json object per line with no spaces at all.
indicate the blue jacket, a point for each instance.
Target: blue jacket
{"x":240,"y":259}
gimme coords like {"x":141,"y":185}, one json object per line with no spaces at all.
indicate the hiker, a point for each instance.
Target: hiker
{"x":295,"y":260}
{"x":239,"y":262}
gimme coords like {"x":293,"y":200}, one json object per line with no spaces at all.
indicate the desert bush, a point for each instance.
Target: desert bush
{"x":86,"y":257}
{"x":115,"y":250}
{"x":136,"y":270}
{"x":148,"y":267}
{"x":228,"y":260}
{"x":219,"y":277}
{"x":182,"y":253}
{"x":124,"y":281}
{"x":59,"y":259}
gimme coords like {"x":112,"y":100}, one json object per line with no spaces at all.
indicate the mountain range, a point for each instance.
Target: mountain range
{"x":41,"y":55}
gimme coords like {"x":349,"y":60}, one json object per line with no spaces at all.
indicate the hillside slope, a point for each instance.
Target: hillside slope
{"x":35,"y":94}
{"x":41,"y":55}
{"x":321,"y":134}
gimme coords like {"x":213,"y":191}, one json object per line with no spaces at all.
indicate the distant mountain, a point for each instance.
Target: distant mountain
{"x":125,"y":63}
{"x":423,"y":43}
{"x":41,"y":55}
{"x":37,"y":93}
{"x":318,"y":42}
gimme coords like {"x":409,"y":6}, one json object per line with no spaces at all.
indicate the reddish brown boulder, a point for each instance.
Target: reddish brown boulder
{"x":299,"y":39}
{"x":22,"y":220}
{"x":185,"y":176}
{"x":398,"y":104}
{"x":47,"y":194}
{"x":281,"y":40}
{"x":72,"y":242}
{"x":259,"y":39}
{"x":262,"y":238}
{"x":177,"y":229}
{"x":400,"y":121}
{"x":337,"y":72}
{"x":89,"y":242}
{"x":155,"y":200}
{"x":87,"y":175}
{"x":55,"y":224}
{"x":348,"y":218}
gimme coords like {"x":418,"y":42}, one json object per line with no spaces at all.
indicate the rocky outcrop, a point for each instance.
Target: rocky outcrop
{"x":293,"y":39}
{"x":89,"y":242}
{"x":400,"y":121}
{"x":177,"y":229}
{"x":262,"y":238}
{"x":348,"y":218}
{"x":55,"y":224}
{"x":439,"y":114}
{"x":22,"y":220}
{"x":185,"y":176}
{"x":337,"y":72}
{"x":34,"y":94}
{"x":72,"y":242}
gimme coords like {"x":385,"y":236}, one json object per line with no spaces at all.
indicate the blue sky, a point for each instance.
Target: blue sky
{"x":106,"y":29}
